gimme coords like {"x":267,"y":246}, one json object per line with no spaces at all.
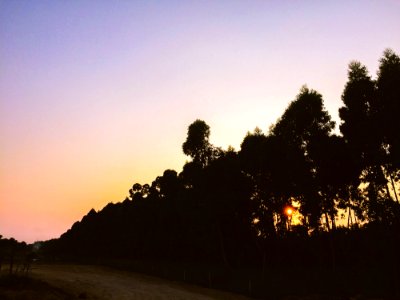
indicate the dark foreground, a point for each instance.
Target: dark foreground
{"x":69,"y":282}
{"x":92,"y":282}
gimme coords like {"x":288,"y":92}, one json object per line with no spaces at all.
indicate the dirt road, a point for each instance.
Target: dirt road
{"x":93,"y":282}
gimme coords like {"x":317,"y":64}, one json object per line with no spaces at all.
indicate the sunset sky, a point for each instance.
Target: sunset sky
{"x":98,"y":95}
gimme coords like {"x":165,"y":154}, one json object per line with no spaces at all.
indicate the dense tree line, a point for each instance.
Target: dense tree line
{"x":15,"y":256}
{"x":237,"y":208}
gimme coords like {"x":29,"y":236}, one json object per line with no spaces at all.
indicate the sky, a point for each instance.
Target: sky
{"x":98,"y":95}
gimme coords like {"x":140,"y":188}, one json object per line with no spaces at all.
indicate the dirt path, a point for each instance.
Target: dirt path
{"x":93,"y":282}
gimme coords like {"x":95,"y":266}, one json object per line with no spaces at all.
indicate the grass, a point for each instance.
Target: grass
{"x":23,"y":287}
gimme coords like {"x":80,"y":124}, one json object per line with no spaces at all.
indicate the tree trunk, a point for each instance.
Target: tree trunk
{"x":222,"y":245}
{"x":348,"y":218}
{"x":388,"y":191}
{"x":11,"y":263}
{"x":327,"y":221}
{"x":394,"y":187}
{"x":333,"y":254}
{"x":333,"y":222}
{"x":264,"y":263}
{"x":355,"y":220}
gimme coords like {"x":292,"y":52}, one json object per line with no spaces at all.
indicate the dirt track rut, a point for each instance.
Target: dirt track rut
{"x":93,"y":282}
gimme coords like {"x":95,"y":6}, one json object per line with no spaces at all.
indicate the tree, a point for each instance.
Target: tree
{"x":266,"y":160}
{"x":302,"y":126}
{"x":358,"y":125}
{"x":225,"y":196}
{"x":335,"y":176}
{"x":305,"y":120}
{"x":197,"y":144}
{"x":168,"y":184}
{"x":388,"y":107}
{"x":364,"y":115}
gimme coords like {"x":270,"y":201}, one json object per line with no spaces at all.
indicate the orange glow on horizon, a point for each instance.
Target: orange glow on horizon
{"x":89,"y":108}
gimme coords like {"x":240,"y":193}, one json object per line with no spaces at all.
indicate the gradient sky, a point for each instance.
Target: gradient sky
{"x":98,"y":95}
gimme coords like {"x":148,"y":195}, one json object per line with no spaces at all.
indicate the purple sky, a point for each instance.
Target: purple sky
{"x":98,"y":95}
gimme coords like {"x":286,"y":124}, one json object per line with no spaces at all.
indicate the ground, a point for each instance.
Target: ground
{"x":94,"y":282}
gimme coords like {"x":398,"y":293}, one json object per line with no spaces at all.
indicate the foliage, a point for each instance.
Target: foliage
{"x":230,"y":208}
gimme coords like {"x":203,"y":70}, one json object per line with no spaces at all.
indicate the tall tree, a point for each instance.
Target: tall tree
{"x":363,"y":117}
{"x":253,"y":159}
{"x":358,"y":115}
{"x":388,"y":107}
{"x":304,"y":124}
{"x":274,"y":168}
{"x":197,"y":143}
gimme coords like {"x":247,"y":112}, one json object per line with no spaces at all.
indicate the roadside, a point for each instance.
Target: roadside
{"x":95,"y":282}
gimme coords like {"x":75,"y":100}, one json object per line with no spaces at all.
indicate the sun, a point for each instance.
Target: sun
{"x":289,"y":211}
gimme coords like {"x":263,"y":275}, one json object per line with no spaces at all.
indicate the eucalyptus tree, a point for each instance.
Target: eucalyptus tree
{"x":197,"y":144}
{"x":224,"y":197}
{"x":252,"y":160}
{"x":272,"y":167}
{"x":359,"y":117}
{"x":304,"y":124}
{"x":388,"y":107}
{"x":371,"y":142}
{"x":335,"y":172}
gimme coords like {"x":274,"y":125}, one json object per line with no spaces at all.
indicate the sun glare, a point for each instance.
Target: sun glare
{"x":289,"y":211}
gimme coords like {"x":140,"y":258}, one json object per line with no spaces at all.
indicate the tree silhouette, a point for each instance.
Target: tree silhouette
{"x":364,"y":117}
{"x":226,"y":209}
{"x":197,"y":144}
{"x":358,"y":115}
{"x":388,"y":85}
{"x":225,"y":196}
{"x":303,"y":125}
